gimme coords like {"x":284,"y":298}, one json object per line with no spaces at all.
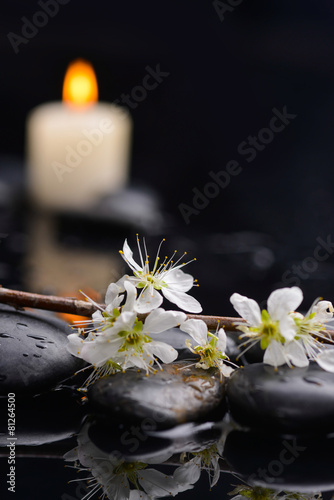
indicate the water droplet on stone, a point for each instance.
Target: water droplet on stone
{"x":25,"y":354}
{"x":41,"y":346}
{"x":36,"y":337}
{"x":312,"y":380}
{"x":6,"y":336}
{"x":22,"y":326}
{"x":37,"y":355}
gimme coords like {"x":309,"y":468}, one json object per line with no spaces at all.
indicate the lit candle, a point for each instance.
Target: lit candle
{"x":77,"y":150}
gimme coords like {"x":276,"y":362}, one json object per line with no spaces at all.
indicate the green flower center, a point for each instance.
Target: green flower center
{"x":134,"y":338}
{"x":268,"y":330}
{"x":130,"y":469}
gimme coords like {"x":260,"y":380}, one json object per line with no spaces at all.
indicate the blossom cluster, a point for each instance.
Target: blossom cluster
{"x":286,"y":336}
{"x":123,"y":334}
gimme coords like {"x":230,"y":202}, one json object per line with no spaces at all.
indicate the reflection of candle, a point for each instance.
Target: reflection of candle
{"x":77,"y":150}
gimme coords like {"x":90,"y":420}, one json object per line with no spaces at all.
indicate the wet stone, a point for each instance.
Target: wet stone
{"x":176,"y":395}
{"x":296,"y":400}
{"x":33,"y":353}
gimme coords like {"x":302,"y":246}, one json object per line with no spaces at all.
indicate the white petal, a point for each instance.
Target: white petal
{"x":274,"y":354}
{"x":157,"y":484}
{"x":221,"y":344}
{"x":197,"y":329}
{"x":296,"y":354}
{"x":112,"y":293}
{"x":247,"y":308}
{"x":225,"y":369}
{"x":182,"y":300}
{"x":160,"y":320}
{"x":138,"y":495}
{"x":97,"y":354}
{"x":128,"y":257}
{"x":288,"y":327}
{"x":321,"y":313}
{"x":148,"y":300}
{"x":178,"y":280}
{"x":75,"y":344}
{"x":187,"y":474}
{"x":283,"y":301}
{"x":163,"y":351}
{"x":326,"y":360}
{"x":130,"y":297}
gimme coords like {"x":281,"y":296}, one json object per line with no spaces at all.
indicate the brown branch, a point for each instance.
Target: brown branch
{"x":74,"y":306}
{"x":70,"y":305}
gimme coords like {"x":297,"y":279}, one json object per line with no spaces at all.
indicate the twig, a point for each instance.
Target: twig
{"x":74,"y":306}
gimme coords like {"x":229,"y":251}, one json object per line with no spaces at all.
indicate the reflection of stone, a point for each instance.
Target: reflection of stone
{"x":177,"y":394}
{"x":34,"y":357}
{"x":288,"y":463}
{"x":52,"y":265}
{"x":293,"y":400}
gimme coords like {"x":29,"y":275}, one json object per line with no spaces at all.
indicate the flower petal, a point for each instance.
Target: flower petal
{"x":112,"y":293}
{"x":326,"y":360}
{"x":274,"y":354}
{"x":148,"y":300}
{"x":321,"y":311}
{"x":188,"y":473}
{"x":296,"y":354}
{"x":288,"y":327}
{"x":131,"y":294}
{"x":247,"y":308}
{"x":197,"y":329}
{"x":157,"y":484}
{"x":221,"y":344}
{"x":128,"y":257}
{"x":160,"y":320}
{"x":182,"y":300}
{"x":163,"y":351}
{"x":178,"y":280}
{"x":283,"y":301}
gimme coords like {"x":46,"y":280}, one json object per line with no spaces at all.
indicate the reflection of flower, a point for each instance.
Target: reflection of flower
{"x":117,"y":479}
{"x":207,"y":459}
{"x":119,"y":340}
{"x":245,"y":492}
{"x":286,"y":336}
{"x":165,"y":276}
{"x":210,"y":348}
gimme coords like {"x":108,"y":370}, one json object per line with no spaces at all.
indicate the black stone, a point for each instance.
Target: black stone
{"x":171,"y":397}
{"x":299,"y":464}
{"x":33,"y":350}
{"x":298,"y":400}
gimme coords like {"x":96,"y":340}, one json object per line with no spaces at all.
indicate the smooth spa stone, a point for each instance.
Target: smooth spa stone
{"x":176,"y":395}
{"x":296,"y":400}
{"x":33,"y":350}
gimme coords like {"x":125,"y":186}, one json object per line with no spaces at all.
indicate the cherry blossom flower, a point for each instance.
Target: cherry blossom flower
{"x":165,"y":276}
{"x":114,"y":478}
{"x":118,"y":340}
{"x":286,"y":336}
{"x":210,"y":348}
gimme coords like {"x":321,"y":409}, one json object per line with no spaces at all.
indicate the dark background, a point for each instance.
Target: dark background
{"x":225,"y":78}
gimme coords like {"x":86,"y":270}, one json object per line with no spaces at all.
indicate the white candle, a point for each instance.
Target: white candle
{"x":78,"y":150}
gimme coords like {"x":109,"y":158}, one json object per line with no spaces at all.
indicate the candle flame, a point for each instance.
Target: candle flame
{"x":80,"y":84}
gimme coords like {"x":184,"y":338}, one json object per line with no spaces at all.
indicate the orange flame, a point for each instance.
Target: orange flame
{"x":80,"y":84}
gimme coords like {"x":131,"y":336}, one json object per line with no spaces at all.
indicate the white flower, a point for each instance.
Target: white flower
{"x":286,"y":336}
{"x":119,"y":340}
{"x":207,"y":459}
{"x":118,"y":479}
{"x":210,"y":348}
{"x":306,"y":345}
{"x":166,"y":277}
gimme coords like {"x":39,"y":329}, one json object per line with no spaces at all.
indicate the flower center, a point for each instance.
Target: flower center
{"x":134,"y":339}
{"x":130,"y":469}
{"x":268,"y":330}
